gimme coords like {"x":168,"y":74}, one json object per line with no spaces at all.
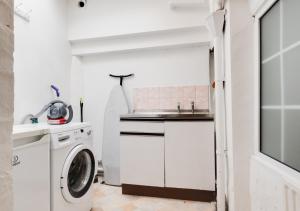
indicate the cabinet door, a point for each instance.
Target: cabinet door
{"x":142,"y":160}
{"x":190,"y":155}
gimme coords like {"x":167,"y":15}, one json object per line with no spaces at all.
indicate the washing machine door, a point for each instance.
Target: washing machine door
{"x":78,"y":174}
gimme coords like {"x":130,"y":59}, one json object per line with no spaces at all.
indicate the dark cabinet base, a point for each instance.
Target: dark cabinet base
{"x":173,"y":193}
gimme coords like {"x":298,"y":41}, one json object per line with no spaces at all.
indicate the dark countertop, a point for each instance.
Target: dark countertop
{"x":204,"y":116}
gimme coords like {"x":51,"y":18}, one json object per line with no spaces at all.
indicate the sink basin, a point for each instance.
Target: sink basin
{"x":169,"y":115}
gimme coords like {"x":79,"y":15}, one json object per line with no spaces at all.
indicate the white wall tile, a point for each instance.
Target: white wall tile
{"x":169,"y":97}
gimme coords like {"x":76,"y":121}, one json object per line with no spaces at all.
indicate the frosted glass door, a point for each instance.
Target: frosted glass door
{"x":279,"y":83}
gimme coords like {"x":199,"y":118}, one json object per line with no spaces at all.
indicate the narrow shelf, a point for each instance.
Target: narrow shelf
{"x":130,"y":50}
{"x":150,"y":40}
{"x":135,"y":34}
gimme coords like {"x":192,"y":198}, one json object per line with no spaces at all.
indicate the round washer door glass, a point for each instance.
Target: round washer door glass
{"x":81,"y":173}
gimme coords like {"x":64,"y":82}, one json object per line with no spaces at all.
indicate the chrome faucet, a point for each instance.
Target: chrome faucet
{"x":193,"y":106}
{"x":178,"y":107}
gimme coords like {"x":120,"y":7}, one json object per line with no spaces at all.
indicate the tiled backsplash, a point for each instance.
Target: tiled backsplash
{"x":167,"y":98}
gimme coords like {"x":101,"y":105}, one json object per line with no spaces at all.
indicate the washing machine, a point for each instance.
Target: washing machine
{"x":72,"y":167}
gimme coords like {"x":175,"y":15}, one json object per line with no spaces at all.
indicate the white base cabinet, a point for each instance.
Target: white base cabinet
{"x":190,"y":155}
{"x":174,"y":154}
{"x":142,"y":160}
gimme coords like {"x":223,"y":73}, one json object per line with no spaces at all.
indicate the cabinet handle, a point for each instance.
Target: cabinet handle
{"x":141,"y":134}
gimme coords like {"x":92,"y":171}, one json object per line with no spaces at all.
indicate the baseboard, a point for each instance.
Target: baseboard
{"x":165,"y":192}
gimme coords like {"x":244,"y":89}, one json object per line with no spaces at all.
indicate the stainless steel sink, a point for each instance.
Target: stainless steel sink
{"x":169,"y":115}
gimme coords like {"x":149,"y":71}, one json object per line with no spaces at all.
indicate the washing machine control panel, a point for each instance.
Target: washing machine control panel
{"x":69,"y":137}
{"x":82,"y":133}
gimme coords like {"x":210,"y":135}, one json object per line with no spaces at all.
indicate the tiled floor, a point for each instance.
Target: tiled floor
{"x":109,"y":198}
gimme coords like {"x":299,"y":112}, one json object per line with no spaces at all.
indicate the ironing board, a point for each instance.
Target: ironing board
{"x":116,"y":106}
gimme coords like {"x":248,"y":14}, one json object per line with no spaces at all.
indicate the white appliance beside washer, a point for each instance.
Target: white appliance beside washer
{"x":31,"y":168}
{"x":72,"y":167}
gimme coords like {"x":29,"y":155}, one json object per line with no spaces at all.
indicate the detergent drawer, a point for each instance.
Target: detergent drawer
{"x":31,"y":173}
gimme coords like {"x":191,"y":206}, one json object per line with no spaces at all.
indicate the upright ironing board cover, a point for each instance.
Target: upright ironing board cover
{"x":116,"y":106}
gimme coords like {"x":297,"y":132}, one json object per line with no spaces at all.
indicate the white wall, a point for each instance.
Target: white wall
{"x":182,"y":66}
{"x":111,"y":17}
{"x":159,"y":44}
{"x":274,"y":186}
{"x":242,"y":94}
{"x":42,"y":55}
{"x":239,"y":97}
{"x":257,"y":181}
